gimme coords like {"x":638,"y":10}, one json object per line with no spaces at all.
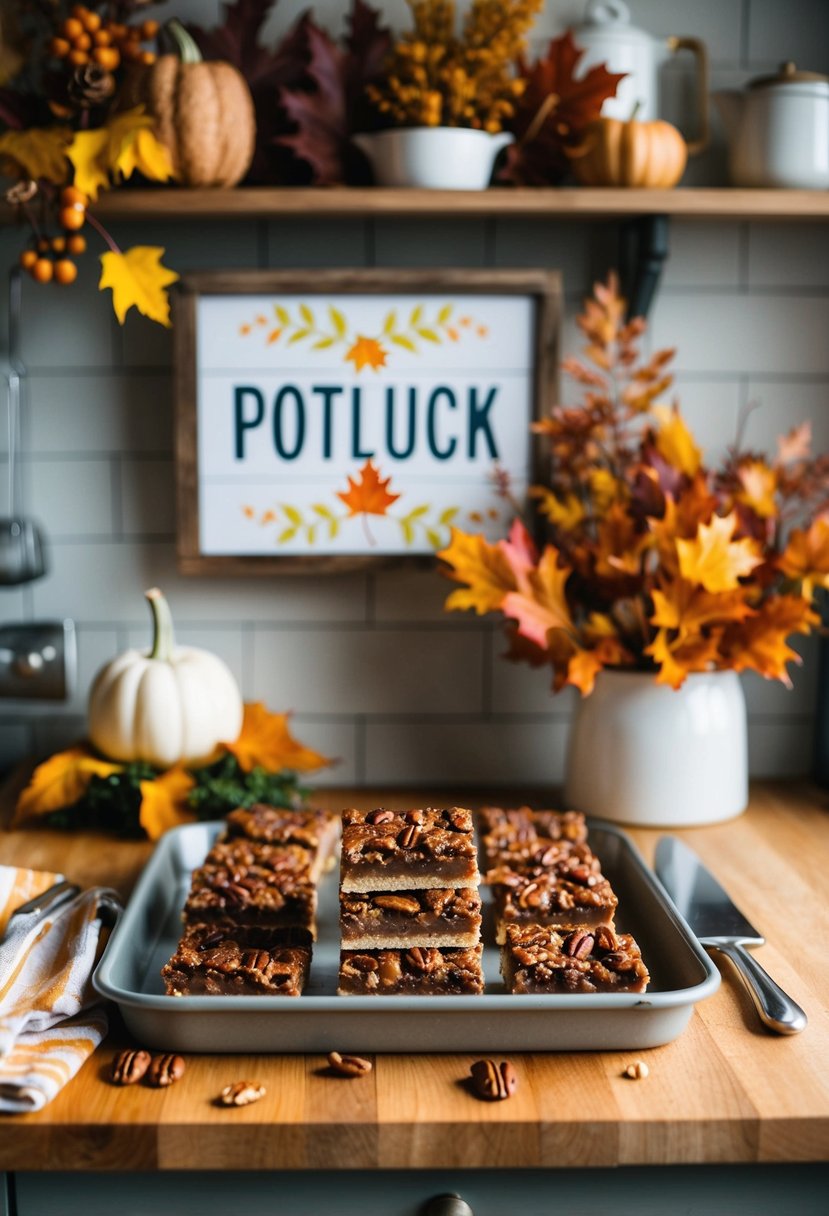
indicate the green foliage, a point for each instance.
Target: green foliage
{"x":223,"y":786}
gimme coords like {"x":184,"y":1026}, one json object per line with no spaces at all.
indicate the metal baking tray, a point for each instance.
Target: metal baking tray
{"x":321,"y":1021}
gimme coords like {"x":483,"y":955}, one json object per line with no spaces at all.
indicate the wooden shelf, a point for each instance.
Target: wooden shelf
{"x":570,"y":203}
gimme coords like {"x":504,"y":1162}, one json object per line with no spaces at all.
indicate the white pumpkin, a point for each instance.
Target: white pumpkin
{"x":168,"y":705}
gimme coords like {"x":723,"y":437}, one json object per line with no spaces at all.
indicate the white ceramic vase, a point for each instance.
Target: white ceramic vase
{"x":644,"y":754}
{"x":433,"y":158}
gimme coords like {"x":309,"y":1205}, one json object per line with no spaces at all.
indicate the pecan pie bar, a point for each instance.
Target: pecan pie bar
{"x":436,"y":916}
{"x":315,"y":830}
{"x":537,"y":960}
{"x":393,"y":851}
{"x":215,"y":961}
{"x":506,"y":850}
{"x":413,"y":972}
{"x":522,"y":830}
{"x":570,"y":893}
{"x":253,"y":896}
{"x":241,"y":854}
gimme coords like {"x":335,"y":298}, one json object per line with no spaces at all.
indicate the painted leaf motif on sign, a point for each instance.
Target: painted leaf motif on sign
{"x":367,"y":493}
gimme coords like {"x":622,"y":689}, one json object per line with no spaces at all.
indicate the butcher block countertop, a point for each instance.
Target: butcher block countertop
{"x":724,"y":1091}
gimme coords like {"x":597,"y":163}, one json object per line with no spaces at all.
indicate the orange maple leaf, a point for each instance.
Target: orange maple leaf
{"x":60,"y":782}
{"x":367,"y":352}
{"x":542,"y":606}
{"x":585,"y":664}
{"x":679,"y":657}
{"x":689,"y":608}
{"x":806,"y":557}
{"x":266,"y":741}
{"x":367,"y":494}
{"x":760,"y":642}
{"x":164,"y":802}
{"x":675,"y":443}
{"x":486,"y":569}
{"x":713,"y":559}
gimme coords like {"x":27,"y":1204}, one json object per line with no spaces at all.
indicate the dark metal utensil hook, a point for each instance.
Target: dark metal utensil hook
{"x":643,"y":247}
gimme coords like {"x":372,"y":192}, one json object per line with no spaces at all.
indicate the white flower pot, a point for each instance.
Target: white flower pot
{"x":641,"y":753}
{"x":433,"y":158}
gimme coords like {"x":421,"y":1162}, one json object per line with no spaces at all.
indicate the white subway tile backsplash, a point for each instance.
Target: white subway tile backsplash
{"x":788,"y":255}
{"x":71,"y":498}
{"x":470,"y":753}
{"x":208,"y":245}
{"x":148,"y":506}
{"x":406,"y":594}
{"x":796,"y":29}
{"x":517,"y":688}
{"x":105,"y":582}
{"x":338,"y":741}
{"x":411,"y":243}
{"x":106,"y":412}
{"x":780,"y":749}
{"x":579,"y":252}
{"x":711,"y":409}
{"x":782,"y":405}
{"x":316,"y":244}
{"x":703,"y":255}
{"x":727,"y":332}
{"x":46,"y":340}
{"x":358,"y":671}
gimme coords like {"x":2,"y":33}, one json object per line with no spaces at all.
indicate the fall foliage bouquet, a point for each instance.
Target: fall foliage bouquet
{"x":437,"y":76}
{"x":64,"y":140}
{"x":650,"y":560}
{"x":78,"y":788}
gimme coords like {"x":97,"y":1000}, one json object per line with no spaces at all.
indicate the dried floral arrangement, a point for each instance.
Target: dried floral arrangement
{"x":65,"y":140}
{"x":437,"y":75}
{"x":651,"y":560}
{"x":78,"y":788}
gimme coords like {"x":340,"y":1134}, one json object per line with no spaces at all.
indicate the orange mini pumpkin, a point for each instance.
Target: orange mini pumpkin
{"x":203,"y":112}
{"x":632,"y":153}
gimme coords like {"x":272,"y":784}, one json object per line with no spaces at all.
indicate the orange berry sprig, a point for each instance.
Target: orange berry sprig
{"x":85,"y":37}
{"x":51,"y":258}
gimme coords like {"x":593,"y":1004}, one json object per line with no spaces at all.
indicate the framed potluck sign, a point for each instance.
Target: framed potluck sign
{"x":329,"y":418}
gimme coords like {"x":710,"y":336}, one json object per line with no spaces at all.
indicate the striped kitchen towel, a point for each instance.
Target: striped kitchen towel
{"x":48,"y":1025}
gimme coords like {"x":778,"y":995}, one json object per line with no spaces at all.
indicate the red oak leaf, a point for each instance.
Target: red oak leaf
{"x":542,"y":136}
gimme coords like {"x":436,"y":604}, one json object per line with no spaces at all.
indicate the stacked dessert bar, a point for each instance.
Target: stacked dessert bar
{"x":250,"y":916}
{"x":554,"y":908}
{"x":410,"y":910}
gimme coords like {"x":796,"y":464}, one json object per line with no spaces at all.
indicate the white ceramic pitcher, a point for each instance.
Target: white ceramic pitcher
{"x":608,"y":37}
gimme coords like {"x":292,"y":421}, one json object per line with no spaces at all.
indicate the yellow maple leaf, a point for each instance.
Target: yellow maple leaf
{"x":485,"y":568}
{"x":542,"y":606}
{"x":60,"y":781}
{"x":146,"y":154}
{"x":759,"y":485}
{"x":675,"y":443}
{"x":688,"y":608}
{"x":806,"y":557}
{"x":138,"y":278}
{"x":38,"y":152}
{"x":677,"y":658}
{"x":713,"y":559}
{"x":266,"y":741}
{"x":565,"y":513}
{"x":124,"y":144}
{"x":164,"y":802}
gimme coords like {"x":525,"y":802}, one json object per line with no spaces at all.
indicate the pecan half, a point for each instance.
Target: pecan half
{"x":348,"y":1066}
{"x":409,"y":836}
{"x":165,"y":1070}
{"x":492,"y":1081}
{"x":605,"y":938}
{"x":379,"y":816}
{"x":241,"y":1093}
{"x":578,"y":944}
{"x":397,"y":903}
{"x":421,"y":959}
{"x":255,"y":960}
{"x":129,"y":1066}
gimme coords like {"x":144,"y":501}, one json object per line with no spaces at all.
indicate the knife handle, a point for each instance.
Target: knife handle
{"x":776,"y":1009}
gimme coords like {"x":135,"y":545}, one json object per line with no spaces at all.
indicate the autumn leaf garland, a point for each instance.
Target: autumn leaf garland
{"x":652,"y":561}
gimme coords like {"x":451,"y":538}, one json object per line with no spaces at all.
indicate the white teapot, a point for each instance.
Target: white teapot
{"x":608,"y":37}
{"x":778,"y":130}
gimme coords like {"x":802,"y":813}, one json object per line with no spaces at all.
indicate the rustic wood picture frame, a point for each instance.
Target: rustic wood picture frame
{"x":543,"y":286}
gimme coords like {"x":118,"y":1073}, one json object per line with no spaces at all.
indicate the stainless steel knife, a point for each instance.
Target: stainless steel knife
{"x":720,"y":925}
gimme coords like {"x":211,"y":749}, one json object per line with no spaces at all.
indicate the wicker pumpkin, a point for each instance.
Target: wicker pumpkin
{"x":203,"y":112}
{"x":617,"y":153}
